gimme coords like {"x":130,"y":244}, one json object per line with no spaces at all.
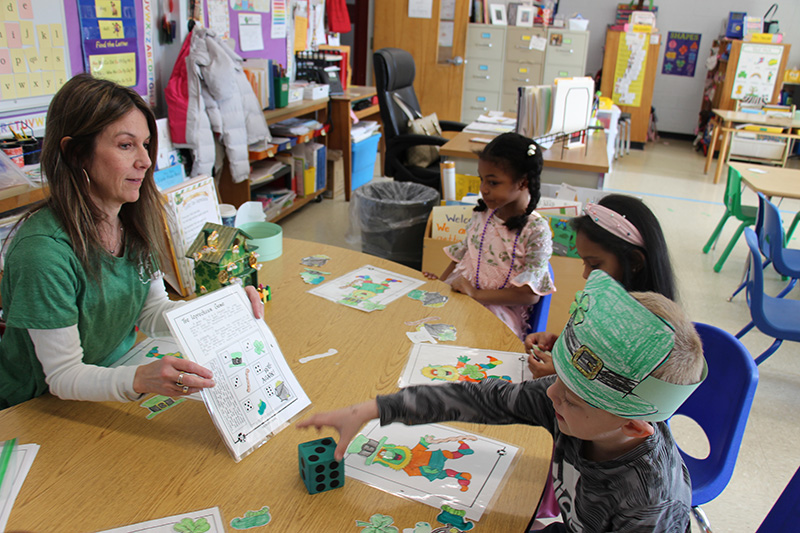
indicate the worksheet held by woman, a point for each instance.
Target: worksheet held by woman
{"x":256,"y":394}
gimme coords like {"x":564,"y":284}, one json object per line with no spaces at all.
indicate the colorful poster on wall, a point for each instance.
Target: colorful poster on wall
{"x":34,"y":59}
{"x":109,"y":34}
{"x":630,"y":67}
{"x":680,"y":54}
{"x":757,"y":71}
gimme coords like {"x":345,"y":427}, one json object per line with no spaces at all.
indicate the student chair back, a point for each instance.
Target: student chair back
{"x":774,"y":317}
{"x":720,"y":406}
{"x":772,"y":242}
{"x":537,"y":321}
{"x":394,"y":79}
{"x":733,"y":208}
{"x":785,"y":514}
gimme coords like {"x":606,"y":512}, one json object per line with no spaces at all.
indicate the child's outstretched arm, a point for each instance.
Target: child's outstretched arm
{"x":347,"y":421}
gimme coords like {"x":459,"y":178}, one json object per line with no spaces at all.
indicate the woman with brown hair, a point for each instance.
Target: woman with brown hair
{"x":82,"y":271}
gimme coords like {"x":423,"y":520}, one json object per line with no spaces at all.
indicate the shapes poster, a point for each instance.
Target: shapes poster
{"x":110,"y":42}
{"x":256,"y":394}
{"x":431,"y":463}
{"x":367,"y":288}
{"x":431,"y":364}
{"x":757,"y":71}
{"x":680,"y":54}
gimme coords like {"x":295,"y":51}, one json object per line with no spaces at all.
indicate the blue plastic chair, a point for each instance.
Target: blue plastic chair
{"x":785,"y":261}
{"x":772,"y":242}
{"x":537,"y":321}
{"x":720,"y":406}
{"x":785,"y":514}
{"x":774,"y":317}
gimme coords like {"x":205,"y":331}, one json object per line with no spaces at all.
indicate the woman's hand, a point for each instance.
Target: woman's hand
{"x":430,"y":275}
{"x":163,"y":377}
{"x":460,"y":284}
{"x":346,"y":421}
{"x":539,"y":345}
{"x":255,"y":301}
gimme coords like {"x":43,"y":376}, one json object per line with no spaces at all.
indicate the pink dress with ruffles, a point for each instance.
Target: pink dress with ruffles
{"x":533,"y":250}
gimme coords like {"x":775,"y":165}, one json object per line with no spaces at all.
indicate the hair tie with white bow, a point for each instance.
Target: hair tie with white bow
{"x":531,"y":149}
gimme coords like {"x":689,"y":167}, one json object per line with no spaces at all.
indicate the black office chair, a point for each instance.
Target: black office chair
{"x":394,"y":74}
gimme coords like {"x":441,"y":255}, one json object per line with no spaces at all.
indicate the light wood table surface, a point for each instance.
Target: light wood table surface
{"x":770,"y":181}
{"x":104,"y":465}
{"x":725,"y":121}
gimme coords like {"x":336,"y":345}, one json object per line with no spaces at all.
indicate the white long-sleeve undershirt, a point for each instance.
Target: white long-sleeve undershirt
{"x":61,"y":355}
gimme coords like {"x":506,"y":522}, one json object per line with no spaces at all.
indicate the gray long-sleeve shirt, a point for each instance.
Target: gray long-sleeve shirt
{"x":646,"y":489}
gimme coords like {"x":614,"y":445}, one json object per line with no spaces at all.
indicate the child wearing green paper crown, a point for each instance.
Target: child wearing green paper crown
{"x":624,"y":363}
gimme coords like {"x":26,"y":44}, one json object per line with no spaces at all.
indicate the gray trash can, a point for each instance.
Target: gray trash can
{"x":389,"y":219}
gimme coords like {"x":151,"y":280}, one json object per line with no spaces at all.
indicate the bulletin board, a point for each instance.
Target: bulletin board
{"x":227,"y":19}
{"x":39,"y":51}
{"x":41,"y":47}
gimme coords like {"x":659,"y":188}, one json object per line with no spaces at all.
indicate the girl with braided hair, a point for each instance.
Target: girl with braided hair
{"x":503,"y":260}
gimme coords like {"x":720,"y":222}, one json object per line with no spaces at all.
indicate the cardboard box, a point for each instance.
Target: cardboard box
{"x":433,"y":257}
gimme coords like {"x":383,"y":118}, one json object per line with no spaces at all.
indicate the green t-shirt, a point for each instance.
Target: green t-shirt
{"x":44,"y":286}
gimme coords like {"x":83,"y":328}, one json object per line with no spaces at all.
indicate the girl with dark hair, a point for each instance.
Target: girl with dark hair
{"x":503,"y":261}
{"x":621,"y":236}
{"x":81,"y":273}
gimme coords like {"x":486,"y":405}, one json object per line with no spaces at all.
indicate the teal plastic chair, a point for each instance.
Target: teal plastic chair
{"x":792,"y":227}
{"x":746,"y":214}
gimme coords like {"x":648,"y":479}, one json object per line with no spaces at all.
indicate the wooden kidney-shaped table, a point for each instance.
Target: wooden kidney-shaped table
{"x":104,"y":465}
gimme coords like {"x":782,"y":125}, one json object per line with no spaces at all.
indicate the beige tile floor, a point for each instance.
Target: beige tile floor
{"x":668,"y":175}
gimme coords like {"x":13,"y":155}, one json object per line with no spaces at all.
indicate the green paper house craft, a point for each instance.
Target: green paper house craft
{"x":221,"y":257}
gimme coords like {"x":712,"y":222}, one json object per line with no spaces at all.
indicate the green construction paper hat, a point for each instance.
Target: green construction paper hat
{"x":609,"y":349}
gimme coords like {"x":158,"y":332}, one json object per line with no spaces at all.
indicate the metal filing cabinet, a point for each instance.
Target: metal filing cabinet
{"x":483,"y":75}
{"x":523,"y":64}
{"x":566,"y":54}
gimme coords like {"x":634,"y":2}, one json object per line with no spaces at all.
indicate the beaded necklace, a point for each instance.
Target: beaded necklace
{"x":480,"y":253}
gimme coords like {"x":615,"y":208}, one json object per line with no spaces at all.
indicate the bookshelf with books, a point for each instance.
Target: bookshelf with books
{"x":259,"y":183}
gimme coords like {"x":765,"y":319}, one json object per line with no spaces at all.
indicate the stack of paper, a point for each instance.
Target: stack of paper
{"x":294,"y":127}
{"x":364,"y":129}
{"x":534,"y":110}
{"x":495,"y":122}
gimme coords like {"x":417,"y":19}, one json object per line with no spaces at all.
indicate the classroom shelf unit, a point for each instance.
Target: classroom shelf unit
{"x":342,"y":123}
{"x":718,"y":90}
{"x":238,"y":193}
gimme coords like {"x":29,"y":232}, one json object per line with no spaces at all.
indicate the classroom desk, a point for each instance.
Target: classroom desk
{"x":580,"y":166}
{"x":771,"y":181}
{"x":725,"y":123}
{"x":104,"y":465}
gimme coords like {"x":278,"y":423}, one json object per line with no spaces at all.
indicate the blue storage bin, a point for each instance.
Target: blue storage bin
{"x":363,"y":164}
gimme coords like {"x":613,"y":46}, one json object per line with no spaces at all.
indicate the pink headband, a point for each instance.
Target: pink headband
{"x":614,"y":223}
